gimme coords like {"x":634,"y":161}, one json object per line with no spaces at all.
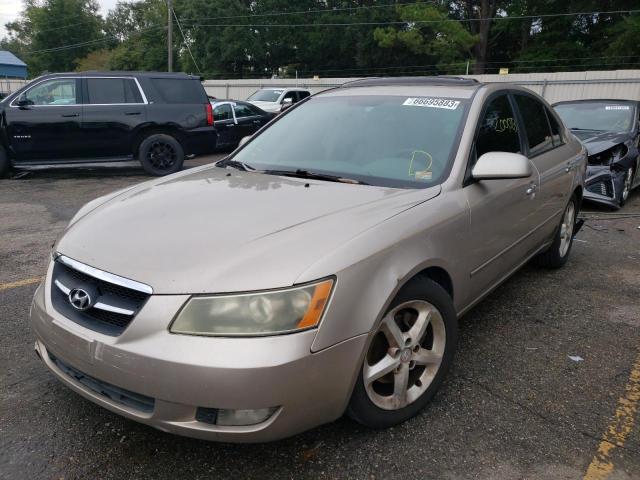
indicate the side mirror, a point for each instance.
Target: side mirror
{"x":286,"y":103}
{"x":244,"y":140}
{"x":23,"y":101}
{"x":501,"y":165}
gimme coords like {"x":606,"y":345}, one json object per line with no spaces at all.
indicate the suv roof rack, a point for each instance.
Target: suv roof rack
{"x":413,"y":81}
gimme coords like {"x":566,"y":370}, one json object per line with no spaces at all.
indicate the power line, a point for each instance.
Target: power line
{"x":185,"y":40}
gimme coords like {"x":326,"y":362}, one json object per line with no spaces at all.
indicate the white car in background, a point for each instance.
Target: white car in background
{"x":272,"y":99}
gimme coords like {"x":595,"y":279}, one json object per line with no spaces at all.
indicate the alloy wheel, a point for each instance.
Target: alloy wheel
{"x":626,"y":188}
{"x":405,"y":355}
{"x":566,"y":229}
{"x":162,"y":155}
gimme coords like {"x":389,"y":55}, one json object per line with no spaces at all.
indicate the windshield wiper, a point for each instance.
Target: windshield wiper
{"x":301,"y":173}
{"x":227,"y":162}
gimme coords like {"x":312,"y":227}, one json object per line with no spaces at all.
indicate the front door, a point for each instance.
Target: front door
{"x":44,"y":122}
{"x":225,"y":124}
{"x":113,"y":109}
{"x":500,"y":210}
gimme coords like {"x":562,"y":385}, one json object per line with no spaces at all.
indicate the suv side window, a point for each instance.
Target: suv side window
{"x":291,"y":95}
{"x":535,"y":124}
{"x":222,"y":112}
{"x":302,"y":95}
{"x":106,"y":91}
{"x":53,"y":92}
{"x":498,"y":129}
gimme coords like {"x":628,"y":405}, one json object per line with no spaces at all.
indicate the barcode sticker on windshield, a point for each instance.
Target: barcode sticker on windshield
{"x":432,"y":102}
{"x":616,"y":107}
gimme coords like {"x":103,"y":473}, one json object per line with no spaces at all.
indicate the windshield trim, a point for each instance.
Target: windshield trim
{"x":385,"y":182}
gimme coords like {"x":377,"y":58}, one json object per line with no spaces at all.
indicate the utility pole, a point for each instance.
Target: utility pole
{"x":169,"y":36}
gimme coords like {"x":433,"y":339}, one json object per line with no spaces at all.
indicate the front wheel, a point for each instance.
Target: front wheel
{"x":558,"y":253}
{"x":161,"y":154}
{"x":626,"y":186}
{"x":408,"y":356}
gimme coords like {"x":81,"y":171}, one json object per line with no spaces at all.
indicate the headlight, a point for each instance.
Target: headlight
{"x":261,"y":313}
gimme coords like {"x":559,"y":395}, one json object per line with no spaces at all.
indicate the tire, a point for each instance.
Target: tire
{"x":373,"y":403}
{"x":558,"y":253}
{"x":626,"y":186}
{"x":5,"y":163}
{"x":161,"y":154}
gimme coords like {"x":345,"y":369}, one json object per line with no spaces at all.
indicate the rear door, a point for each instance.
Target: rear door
{"x":225,"y":124}
{"x":548,"y":152}
{"x":47,"y":127}
{"x":113,"y":108}
{"x":500,"y":210}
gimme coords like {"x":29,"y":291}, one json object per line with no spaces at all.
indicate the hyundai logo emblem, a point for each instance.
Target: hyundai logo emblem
{"x":79,"y":299}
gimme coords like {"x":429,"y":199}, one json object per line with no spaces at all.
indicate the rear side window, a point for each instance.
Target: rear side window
{"x":222,"y":112}
{"x":302,"y":95}
{"x":105,"y":91}
{"x":535,"y":124}
{"x":173,"y":90}
{"x":556,"y":136}
{"x":498,"y":128}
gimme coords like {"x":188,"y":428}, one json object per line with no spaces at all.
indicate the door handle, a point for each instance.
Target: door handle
{"x":256,"y":121}
{"x":132,"y":113}
{"x":69,"y":115}
{"x":229,"y":125}
{"x":533,"y":188}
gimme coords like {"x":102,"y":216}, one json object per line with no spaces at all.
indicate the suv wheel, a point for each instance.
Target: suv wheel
{"x":558,"y":253}
{"x":5,"y":164}
{"x":161,"y":154}
{"x":408,"y":356}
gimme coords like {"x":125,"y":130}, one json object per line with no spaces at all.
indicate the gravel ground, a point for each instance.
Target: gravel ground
{"x":514,"y":406}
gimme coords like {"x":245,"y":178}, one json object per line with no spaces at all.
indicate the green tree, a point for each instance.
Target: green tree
{"x":47,"y":29}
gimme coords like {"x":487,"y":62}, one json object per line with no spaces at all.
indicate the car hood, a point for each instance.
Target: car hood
{"x":597,"y":142}
{"x":266,"y":106}
{"x":223,"y":230}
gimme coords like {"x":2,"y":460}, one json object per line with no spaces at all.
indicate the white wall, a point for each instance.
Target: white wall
{"x":620,"y":84}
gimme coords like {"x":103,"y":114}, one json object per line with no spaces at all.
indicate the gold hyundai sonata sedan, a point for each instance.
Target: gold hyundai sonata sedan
{"x":319,"y":269}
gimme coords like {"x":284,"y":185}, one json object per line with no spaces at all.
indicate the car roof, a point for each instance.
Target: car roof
{"x":593,"y":100}
{"x":286,"y":88}
{"x":95,"y":73}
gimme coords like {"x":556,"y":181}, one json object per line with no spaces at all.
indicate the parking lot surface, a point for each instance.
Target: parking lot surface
{"x":546,"y":381}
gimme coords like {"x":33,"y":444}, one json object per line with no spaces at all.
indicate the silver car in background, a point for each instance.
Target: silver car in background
{"x":319,"y":269}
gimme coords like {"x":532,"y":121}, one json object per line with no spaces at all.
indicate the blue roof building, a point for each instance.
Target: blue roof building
{"x":11,"y":66}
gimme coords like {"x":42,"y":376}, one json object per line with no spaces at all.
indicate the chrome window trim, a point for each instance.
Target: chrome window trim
{"x":105,"y":276}
{"x":144,"y":97}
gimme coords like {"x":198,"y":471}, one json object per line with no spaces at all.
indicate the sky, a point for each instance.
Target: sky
{"x":9,"y":10}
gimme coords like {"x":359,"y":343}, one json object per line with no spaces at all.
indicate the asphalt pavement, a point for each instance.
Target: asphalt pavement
{"x":546,"y":381}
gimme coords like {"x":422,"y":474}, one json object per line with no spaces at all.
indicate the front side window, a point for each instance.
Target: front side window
{"x":104,"y":91}
{"x":302,"y":95}
{"x":292,"y":95}
{"x":243,"y":111}
{"x":222,"y":112}
{"x":498,"y":130}
{"x":52,"y":92}
{"x":388,"y":140}
{"x":535,"y":124}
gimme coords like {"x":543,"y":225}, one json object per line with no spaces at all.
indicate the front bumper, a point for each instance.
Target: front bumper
{"x":603,"y":186}
{"x":180,"y":373}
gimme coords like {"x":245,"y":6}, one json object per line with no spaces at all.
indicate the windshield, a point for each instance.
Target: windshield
{"x":606,"y":116}
{"x":380,"y":140}
{"x":266,"y":96}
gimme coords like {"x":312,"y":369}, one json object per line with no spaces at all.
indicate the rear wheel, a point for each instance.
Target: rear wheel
{"x":5,"y":164}
{"x":161,"y":154}
{"x":408,"y":357}
{"x":558,"y":253}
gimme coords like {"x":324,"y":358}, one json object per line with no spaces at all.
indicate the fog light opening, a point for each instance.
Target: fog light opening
{"x":239,"y":418}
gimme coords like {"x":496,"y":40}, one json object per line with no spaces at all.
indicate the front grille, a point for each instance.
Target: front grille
{"x":602,"y":187}
{"x":119,"y":395}
{"x":121,"y":298}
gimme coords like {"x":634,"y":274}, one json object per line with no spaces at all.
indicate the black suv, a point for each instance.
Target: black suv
{"x":158,"y":118}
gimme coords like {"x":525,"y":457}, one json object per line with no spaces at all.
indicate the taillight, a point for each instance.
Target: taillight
{"x":209,"y":109}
